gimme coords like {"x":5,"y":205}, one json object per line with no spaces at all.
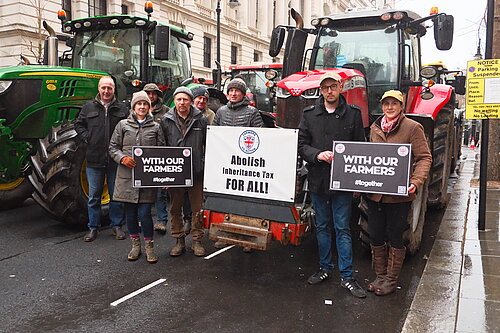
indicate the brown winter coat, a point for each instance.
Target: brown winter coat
{"x":405,"y":131}
{"x":127,"y":134}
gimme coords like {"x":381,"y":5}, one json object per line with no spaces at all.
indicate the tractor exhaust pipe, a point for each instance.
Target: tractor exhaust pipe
{"x":299,"y":21}
{"x":51,"y":54}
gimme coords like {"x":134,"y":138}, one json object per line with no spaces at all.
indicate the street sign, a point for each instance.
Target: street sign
{"x":371,"y":167}
{"x":251,"y":162}
{"x":162,"y":167}
{"x":483,"y":86}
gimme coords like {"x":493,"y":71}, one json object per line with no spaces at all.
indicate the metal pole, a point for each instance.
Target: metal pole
{"x":218,"y":10}
{"x":483,"y":171}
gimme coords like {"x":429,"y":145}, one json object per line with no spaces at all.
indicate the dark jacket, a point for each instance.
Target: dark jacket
{"x":238,"y":114}
{"x":194,"y":137}
{"x":159,"y":109}
{"x":405,"y":131}
{"x":129,"y":133}
{"x":95,"y":126}
{"x":317,"y":131}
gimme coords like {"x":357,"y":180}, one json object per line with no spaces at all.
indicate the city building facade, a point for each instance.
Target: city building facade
{"x":245,"y":25}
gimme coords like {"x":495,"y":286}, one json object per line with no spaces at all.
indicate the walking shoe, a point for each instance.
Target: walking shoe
{"x":220,"y":245}
{"x":91,"y":236}
{"x":161,"y":227}
{"x":118,"y":232}
{"x":198,"y":249}
{"x":319,"y":277}
{"x":353,"y":287}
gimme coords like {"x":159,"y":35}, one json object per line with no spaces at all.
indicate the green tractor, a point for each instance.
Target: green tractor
{"x":40,"y":152}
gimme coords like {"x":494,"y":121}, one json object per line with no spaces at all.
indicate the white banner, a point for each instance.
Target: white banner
{"x":251,"y":162}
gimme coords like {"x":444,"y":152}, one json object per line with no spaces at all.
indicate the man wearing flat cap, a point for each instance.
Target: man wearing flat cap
{"x":185,"y":126}
{"x":331,"y":119}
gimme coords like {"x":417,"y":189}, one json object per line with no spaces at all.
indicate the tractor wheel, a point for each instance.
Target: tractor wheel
{"x":442,"y":154}
{"x":416,"y":219}
{"x":13,"y":194}
{"x":59,"y":176}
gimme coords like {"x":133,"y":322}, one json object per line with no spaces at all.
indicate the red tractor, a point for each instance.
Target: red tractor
{"x":373,"y":51}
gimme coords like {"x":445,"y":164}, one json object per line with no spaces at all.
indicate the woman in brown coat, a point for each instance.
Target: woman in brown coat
{"x":139,"y":129}
{"x":387,"y":214}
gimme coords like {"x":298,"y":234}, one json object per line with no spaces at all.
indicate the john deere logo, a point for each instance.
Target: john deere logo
{"x":51,"y":87}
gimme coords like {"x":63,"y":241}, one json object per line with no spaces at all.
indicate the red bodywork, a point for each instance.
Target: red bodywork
{"x":257,"y":66}
{"x":285,"y":233}
{"x":354,"y":87}
{"x":416,"y":105}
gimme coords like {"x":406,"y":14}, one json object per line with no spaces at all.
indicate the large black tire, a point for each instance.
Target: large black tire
{"x":13,"y":194}
{"x":416,"y":220}
{"x":59,"y":176}
{"x":442,"y":154}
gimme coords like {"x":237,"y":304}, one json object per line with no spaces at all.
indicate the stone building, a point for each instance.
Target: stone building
{"x":246,"y":25}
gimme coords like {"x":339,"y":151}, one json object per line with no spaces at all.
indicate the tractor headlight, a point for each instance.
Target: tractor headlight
{"x":4,"y":85}
{"x":282,"y":93}
{"x":428,"y":72}
{"x":311,"y":93}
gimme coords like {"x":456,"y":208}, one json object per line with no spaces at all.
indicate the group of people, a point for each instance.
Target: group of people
{"x":110,"y":130}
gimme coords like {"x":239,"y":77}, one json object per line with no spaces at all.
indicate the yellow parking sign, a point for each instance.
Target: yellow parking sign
{"x":483,"y":89}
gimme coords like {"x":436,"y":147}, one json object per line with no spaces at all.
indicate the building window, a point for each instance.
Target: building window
{"x":124,"y":9}
{"x":234,"y":54}
{"x":207,"y":52}
{"x":256,"y":56}
{"x":66,"y":6}
{"x":97,"y":7}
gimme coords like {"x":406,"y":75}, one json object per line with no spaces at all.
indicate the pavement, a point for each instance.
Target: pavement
{"x":460,"y":288}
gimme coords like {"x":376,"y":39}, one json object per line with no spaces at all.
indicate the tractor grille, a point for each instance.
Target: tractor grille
{"x":67,"y":88}
{"x":20,"y":95}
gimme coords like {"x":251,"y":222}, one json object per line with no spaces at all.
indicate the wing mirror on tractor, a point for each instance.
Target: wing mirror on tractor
{"x":443,"y":32}
{"x":277,"y":39}
{"x":162,"y":42}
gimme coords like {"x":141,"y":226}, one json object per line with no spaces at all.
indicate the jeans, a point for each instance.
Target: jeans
{"x":135,"y":212}
{"x":95,"y":179}
{"x":334,"y":210}
{"x":387,"y":221}
{"x":161,"y":206}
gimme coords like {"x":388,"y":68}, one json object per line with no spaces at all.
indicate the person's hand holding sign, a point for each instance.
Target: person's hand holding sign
{"x":411,"y":189}
{"x":128,"y":162}
{"x":326,"y":156}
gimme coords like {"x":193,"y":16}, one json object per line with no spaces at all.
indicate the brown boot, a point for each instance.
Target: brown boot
{"x":379,"y":265}
{"x":198,"y":249}
{"x":134,"y":254}
{"x":394,"y":265}
{"x":179,"y":248}
{"x":150,"y":252}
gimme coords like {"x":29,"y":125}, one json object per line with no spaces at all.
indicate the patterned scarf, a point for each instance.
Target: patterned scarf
{"x":386,"y":125}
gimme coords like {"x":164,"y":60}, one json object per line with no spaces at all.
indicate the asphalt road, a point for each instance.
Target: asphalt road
{"x":52,"y":281}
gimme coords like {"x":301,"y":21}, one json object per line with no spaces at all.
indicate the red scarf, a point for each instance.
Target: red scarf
{"x":386,"y":125}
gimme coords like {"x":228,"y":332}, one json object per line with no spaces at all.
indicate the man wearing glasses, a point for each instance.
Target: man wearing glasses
{"x":331,"y":119}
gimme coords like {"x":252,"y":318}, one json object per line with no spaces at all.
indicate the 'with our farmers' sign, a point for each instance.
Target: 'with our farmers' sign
{"x":251,"y":162}
{"x":162,"y":167}
{"x":371,"y":167}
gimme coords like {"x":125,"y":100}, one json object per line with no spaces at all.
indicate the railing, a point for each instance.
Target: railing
{"x":205,"y":11}
{"x":231,"y":22}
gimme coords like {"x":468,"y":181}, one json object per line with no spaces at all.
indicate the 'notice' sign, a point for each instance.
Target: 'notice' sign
{"x":371,"y":167}
{"x":483,"y":86}
{"x":251,"y":162}
{"x":162,"y":167}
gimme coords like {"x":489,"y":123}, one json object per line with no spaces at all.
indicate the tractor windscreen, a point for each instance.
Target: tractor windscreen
{"x":371,"y":51}
{"x":256,"y":83}
{"x":116,"y":52}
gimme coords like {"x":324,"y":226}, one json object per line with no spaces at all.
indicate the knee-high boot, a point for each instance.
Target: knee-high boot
{"x":379,"y":264}
{"x":394,"y":265}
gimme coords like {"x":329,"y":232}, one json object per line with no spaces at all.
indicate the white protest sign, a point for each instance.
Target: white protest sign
{"x":251,"y":162}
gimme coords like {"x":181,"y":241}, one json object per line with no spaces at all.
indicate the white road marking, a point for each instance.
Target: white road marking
{"x":137,"y":292}
{"x":216,"y":253}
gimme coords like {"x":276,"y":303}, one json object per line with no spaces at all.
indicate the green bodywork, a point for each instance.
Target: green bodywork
{"x":33,"y":99}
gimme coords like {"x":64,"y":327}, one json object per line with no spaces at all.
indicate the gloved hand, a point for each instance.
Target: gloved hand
{"x":128,"y":162}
